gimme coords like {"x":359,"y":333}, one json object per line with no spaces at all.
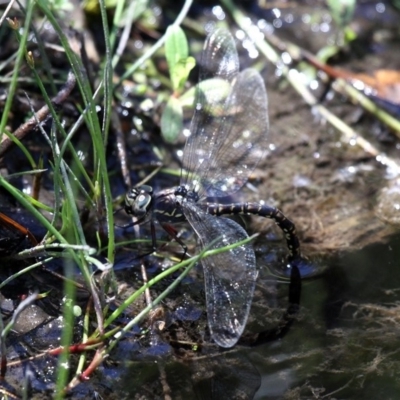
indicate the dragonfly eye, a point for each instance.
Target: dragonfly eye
{"x":137,"y":201}
{"x":142,"y":203}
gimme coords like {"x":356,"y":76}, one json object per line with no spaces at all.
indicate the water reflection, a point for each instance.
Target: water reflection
{"x":345,"y":344}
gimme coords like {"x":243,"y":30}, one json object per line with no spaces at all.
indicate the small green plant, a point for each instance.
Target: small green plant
{"x":342,"y":12}
{"x":180,"y":64}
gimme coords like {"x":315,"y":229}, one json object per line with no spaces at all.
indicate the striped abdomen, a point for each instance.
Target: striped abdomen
{"x":273,"y":213}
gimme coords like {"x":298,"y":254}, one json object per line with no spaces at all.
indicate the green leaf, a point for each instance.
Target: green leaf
{"x":326,"y":52}
{"x":349,"y":34}
{"x":181,"y":72}
{"x":215,"y":91}
{"x":172,"y":120}
{"x":176,"y":46}
{"x":342,"y":11}
{"x":177,"y":54}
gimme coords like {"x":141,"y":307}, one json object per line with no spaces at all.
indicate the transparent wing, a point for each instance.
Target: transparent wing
{"x":242,"y":135}
{"x":226,"y":139}
{"x":220,"y":62}
{"x":229,"y":277}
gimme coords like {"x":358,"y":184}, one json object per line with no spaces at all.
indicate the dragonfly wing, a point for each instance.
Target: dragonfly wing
{"x":220,"y":62}
{"x":242,"y":135}
{"x":229,"y":276}
{"x":227,"y":138}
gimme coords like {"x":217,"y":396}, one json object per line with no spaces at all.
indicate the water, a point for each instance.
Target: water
{"x":345,"y":344}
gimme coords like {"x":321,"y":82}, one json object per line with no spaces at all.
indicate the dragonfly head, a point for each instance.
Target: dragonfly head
{"x":138,"y":201}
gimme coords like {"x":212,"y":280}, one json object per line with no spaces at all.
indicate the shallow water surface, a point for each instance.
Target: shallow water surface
{"x":345,"y":345}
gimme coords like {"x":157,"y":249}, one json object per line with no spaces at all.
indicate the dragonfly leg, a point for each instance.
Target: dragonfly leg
{"x":133,"y":223}
{"x":153,"y":239}
{"x":174,"y":234}
{"x":153,"y":235}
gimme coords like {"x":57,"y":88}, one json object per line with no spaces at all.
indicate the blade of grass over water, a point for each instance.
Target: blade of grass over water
{"x":17,"y":68}
{"x":63,"y":368}
{"x":119,"y":335}
{"x":67,"y":145}
{"x":25,"y":201}
{"x":101,"y":141}
{"x":187,"y":264}
{"x":21,"y":146}
{"x":135,"y":9}
{"x":93,"y":123}
{"x":169,"y":271}
{"x":107,"y":76}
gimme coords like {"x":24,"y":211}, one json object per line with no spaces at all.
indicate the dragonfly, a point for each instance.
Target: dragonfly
{"x":228,"y":137}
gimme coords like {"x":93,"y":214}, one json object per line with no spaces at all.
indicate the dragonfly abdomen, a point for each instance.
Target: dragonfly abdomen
{"x":285,"y":224}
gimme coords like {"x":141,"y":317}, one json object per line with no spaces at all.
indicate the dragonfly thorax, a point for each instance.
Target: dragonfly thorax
{"x":169,"y":204}
{"x":184,"y":194}
{"x":138,"y":201}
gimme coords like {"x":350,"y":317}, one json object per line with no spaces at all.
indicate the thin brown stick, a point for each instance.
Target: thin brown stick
{"x":40,"y":116}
